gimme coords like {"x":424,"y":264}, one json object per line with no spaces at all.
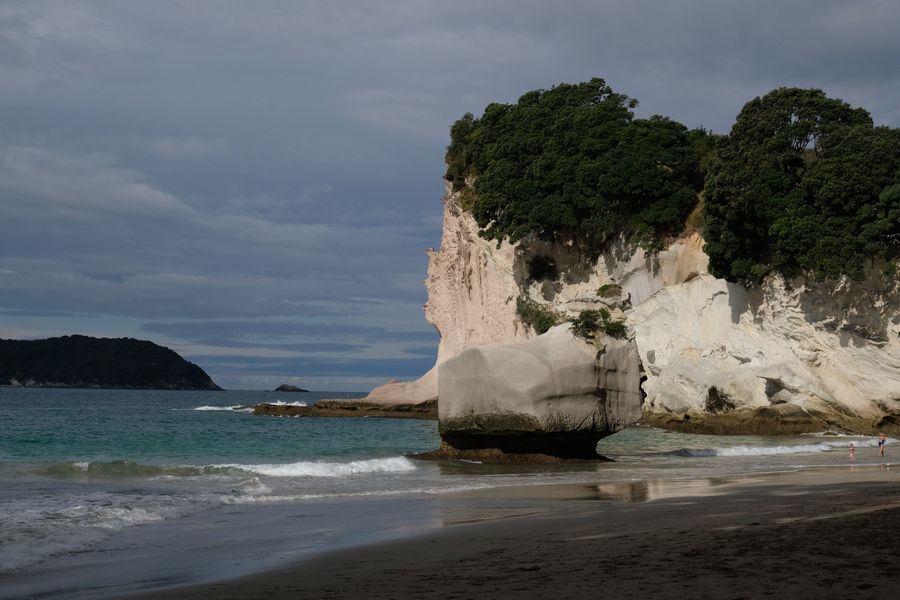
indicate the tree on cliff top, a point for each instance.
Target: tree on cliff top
{"x":802,"y":184}
{"x":572,"y":162}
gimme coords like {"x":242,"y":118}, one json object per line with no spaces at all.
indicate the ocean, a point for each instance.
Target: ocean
{"x":106,"y":492}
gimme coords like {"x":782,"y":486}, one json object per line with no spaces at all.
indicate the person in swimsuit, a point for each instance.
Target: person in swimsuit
{"x":881,"y":442}
{"x":852,"y":452}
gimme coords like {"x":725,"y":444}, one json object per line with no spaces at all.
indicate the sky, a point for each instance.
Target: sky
{"x":254,"y":183}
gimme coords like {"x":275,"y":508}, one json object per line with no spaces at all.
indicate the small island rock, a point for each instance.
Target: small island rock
{"x":284,"y":387}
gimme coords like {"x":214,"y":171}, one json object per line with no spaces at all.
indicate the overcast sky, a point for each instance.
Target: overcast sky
{"x":254,"y":183}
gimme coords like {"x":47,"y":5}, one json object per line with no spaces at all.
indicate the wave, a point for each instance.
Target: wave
{"x":242,"y":407}
{"x":771,"y":450}
{"x":52,"y":525}
{"x":394,"y":464}
{"x":121,"y":469}
{"x":431,"y":491}
{"x":236,"y":408}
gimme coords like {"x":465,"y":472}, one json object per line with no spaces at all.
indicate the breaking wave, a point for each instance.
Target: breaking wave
{"x":395,"y":464}
{"x":121,"y":469}
{"x":771,"y":450}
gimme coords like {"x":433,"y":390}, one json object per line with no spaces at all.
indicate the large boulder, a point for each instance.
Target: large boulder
{"x":555,"y":395}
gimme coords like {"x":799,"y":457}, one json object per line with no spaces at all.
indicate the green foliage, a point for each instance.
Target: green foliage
{"x":890,"y":270}
{"x":609,"y":290}
{"x":704,"y":143}
{"x":572,"y":162}
{"x":802,"y":184}
{"x":590,"y":322}
{"x":535,"y":315}
{"x":80,"y":361}
{"x":458,"y":154}
{"x":615,"y":329}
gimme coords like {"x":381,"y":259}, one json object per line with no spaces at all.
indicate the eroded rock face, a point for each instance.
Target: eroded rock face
{"x":808,"y":354}
{"x":471,"y":298}
{"x":830,"y":350}
{"x":424,"y":389}
{"x":554,"y":395}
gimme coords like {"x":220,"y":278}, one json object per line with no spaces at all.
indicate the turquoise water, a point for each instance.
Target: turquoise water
{"x":166,"y":427}
{"x":170,"y":487}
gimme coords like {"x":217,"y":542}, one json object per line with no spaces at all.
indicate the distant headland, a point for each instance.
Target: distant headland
{"x":78,"y":361}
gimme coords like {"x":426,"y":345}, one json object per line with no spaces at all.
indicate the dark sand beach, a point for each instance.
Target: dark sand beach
{"x":814,"y":534}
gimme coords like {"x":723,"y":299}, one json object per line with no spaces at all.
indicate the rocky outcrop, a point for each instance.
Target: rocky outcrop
{"x":286,"y":387}
{"x":348,"y":408}
{"x":555,"y":395}
{"x":787,"y":356}
{"x":423,"y":389}
{"x":828,"y":354}
{"x":471,"y":298}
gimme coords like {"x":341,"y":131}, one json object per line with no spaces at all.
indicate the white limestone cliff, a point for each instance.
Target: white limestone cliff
{"x":706,"y":346}
{"x":471,"y":299}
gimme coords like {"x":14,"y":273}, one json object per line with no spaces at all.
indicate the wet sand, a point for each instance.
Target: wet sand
{"x":816,"y":534}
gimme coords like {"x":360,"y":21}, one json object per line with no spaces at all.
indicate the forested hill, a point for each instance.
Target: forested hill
{"x":802,"y":184}
{"x":84,"y":362}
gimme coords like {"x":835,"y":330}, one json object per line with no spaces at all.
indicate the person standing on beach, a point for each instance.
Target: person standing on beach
{"x":881,"y":442}
{"x":852,"y":452}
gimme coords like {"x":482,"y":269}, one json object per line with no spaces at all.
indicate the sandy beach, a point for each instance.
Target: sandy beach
{"x":823,"y":533}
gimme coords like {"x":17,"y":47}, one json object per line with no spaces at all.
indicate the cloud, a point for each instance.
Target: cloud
{"x":186,"y":148}
{"x":319,"y":367}
{"x":264,"y":177}
{"x":277,"y":331}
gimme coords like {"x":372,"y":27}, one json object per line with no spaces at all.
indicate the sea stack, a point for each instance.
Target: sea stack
{"x":556,"y":395}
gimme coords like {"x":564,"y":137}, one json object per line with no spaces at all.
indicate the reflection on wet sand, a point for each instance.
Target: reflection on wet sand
{"x":646,"y":491}
{"x":493,"y":504}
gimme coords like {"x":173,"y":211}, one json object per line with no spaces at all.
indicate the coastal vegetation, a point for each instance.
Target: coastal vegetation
{"x":609,"y":290}
{"x":802,"y":184}
{"x":573,"y":163}
{"x":590,"y":322}
{"x":81,"y":361}
{"x":536,"y":315}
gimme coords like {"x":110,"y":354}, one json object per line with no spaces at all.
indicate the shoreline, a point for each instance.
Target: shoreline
{"x":826,"y":531}
{"x":349,"y":408}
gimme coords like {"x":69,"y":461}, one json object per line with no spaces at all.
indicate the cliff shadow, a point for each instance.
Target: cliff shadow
{"x":858,"y":312}
{"x":553,"y":264}
{"x":742,"y":300}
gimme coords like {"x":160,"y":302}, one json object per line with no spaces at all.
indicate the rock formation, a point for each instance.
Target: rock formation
{"x":347,"y":408}
{"x":471,"y":299}
{"x":555,"y":395}
{"x":787,"y":356}
{"x":286,"y":387}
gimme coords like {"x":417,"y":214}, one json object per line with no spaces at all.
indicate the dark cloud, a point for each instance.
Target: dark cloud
{"x":275,"y":168}
{"x":198,"y":331}
{"x":300,"y":348}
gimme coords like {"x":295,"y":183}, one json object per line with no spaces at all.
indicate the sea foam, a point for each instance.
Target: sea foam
{"x":395,"y":464}
{"x":237,"y":408}
{"x":772,"y":450}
